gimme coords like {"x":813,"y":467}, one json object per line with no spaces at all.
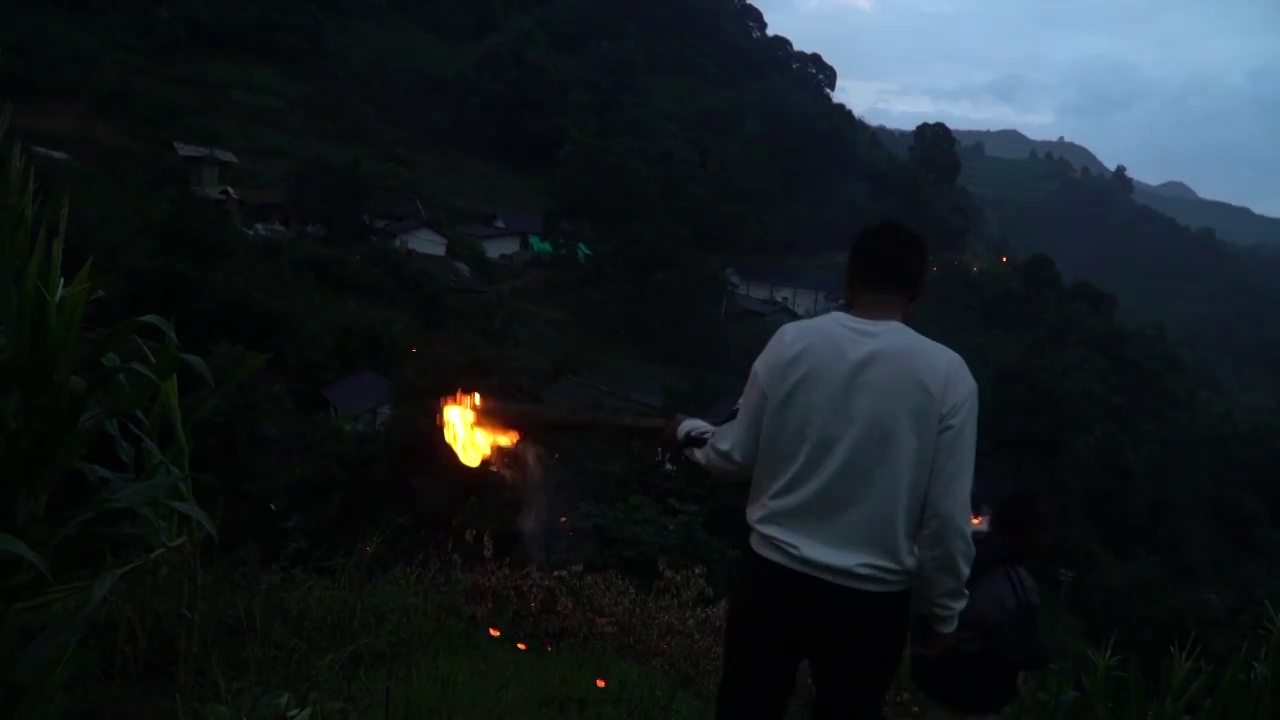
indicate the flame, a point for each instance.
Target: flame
{"x":495,"y":632}
{"x":600,"y":682}
{"x":472,"y":443}
{"x":521,"y":646}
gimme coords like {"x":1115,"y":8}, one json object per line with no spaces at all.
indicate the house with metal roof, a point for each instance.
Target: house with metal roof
{"x":519,"y":236}
{"x":208,"y":169}
{"x":806,"y":291}
{"x":364,"y":399}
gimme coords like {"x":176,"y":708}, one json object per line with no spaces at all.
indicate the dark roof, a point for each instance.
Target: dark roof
{"x":756,"y":306}
{"x":359,"y":393}
{"x":825,"y":280}
{"x":195,"y":151}
{"x":484,"y":232}
{"x":522,"y":222}
{"x":405,"y":226}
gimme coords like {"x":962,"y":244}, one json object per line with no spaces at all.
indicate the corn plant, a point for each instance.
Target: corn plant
{"x":93,"y":450}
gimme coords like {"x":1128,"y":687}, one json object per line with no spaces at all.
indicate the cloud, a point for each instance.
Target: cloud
{"x":811,"y":5}
{"x":1174,"y":89}
{"x":889,"y":102}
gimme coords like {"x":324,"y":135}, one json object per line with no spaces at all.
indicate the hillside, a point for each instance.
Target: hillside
{"x":1208,"y":293}
{"x":1232,"y":222}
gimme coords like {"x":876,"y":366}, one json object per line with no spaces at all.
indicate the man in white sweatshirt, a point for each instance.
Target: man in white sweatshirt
{"x":858,"y":435}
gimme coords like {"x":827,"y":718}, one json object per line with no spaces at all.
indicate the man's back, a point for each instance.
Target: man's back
{"x":851,"y":422}
{"x":859,"y":437}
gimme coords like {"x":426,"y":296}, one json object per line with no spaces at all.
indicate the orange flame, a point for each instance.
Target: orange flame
{"x":495,"y":632}
{"x":473,"y":443}
{"x":600,"y":682}
{"x":521,"y":646}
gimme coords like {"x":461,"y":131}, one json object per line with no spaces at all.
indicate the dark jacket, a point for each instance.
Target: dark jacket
{"x":998,"y":637}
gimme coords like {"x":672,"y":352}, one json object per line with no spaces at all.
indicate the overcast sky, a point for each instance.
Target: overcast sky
{"x":1174,"y":89}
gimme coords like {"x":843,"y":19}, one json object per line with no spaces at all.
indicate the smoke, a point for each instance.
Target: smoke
{"x":523,"y":467}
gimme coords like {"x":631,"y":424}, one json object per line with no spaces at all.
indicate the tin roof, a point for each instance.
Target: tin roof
{"x":196,"y":151}
{"x":800,"y":277}
{"x":359,"y":393}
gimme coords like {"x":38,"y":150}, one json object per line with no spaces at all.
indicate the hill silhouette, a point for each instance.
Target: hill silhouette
{"x":1176,"y":199}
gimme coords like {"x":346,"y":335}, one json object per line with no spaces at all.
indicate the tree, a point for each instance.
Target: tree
{"x":933,"y":150}
{"x":1121,"y":181}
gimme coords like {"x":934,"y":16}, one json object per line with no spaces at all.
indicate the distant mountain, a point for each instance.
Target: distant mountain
{"x":1232,"y":222}
{"x":1175,"y":189}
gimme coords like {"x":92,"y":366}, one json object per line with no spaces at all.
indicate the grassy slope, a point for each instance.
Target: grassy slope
{"x":349,"y":646}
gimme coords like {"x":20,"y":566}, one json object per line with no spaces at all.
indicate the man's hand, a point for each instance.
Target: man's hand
{"x":670,"y":434}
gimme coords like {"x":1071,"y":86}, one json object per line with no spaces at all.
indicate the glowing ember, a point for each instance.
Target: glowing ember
{"x":495,"y":632}
{"x":472,"y":442}
{"x":978,"y":522}
{"x":600,"y":682}
{"x":521,"y":646}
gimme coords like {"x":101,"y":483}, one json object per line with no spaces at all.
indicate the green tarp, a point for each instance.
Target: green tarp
{"x":545,"y":247}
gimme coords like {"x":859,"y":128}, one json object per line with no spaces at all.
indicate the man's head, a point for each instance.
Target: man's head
{"x":1023,"y":517}
{"x":887,"y":264}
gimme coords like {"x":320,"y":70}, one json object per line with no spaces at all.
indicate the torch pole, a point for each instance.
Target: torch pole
{"x":538,"y":417}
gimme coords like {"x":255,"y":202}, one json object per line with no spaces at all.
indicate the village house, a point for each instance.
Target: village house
{"x":417,"y":236}
{"x":741,"y":305}
{"x":506,"y":234}
{"x":805,"y":291}
{"x":208,"y":169}
{"x":362,"y":399}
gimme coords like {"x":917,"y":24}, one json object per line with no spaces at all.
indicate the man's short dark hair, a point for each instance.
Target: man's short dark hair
{"x":887,"y":258}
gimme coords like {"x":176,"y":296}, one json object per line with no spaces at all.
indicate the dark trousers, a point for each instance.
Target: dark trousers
{"x":853,"y":640}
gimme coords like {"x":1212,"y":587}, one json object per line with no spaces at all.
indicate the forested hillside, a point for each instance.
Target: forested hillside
{"x":672,"y":137}
{"x":1210,"y":294}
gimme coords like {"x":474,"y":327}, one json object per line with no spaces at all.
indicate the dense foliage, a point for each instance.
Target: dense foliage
{"x":672,"y":137}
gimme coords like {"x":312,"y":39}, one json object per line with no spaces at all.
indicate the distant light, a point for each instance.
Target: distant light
{"x":413,"y":349}
{"x":600,"y":682}
{"x":1004,"y":259}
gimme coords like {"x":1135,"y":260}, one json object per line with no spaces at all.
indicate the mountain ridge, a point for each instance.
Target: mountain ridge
{"x":1235,"y":223}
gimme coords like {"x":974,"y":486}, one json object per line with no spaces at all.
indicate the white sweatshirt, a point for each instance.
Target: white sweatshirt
{"x":859,"y":438}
